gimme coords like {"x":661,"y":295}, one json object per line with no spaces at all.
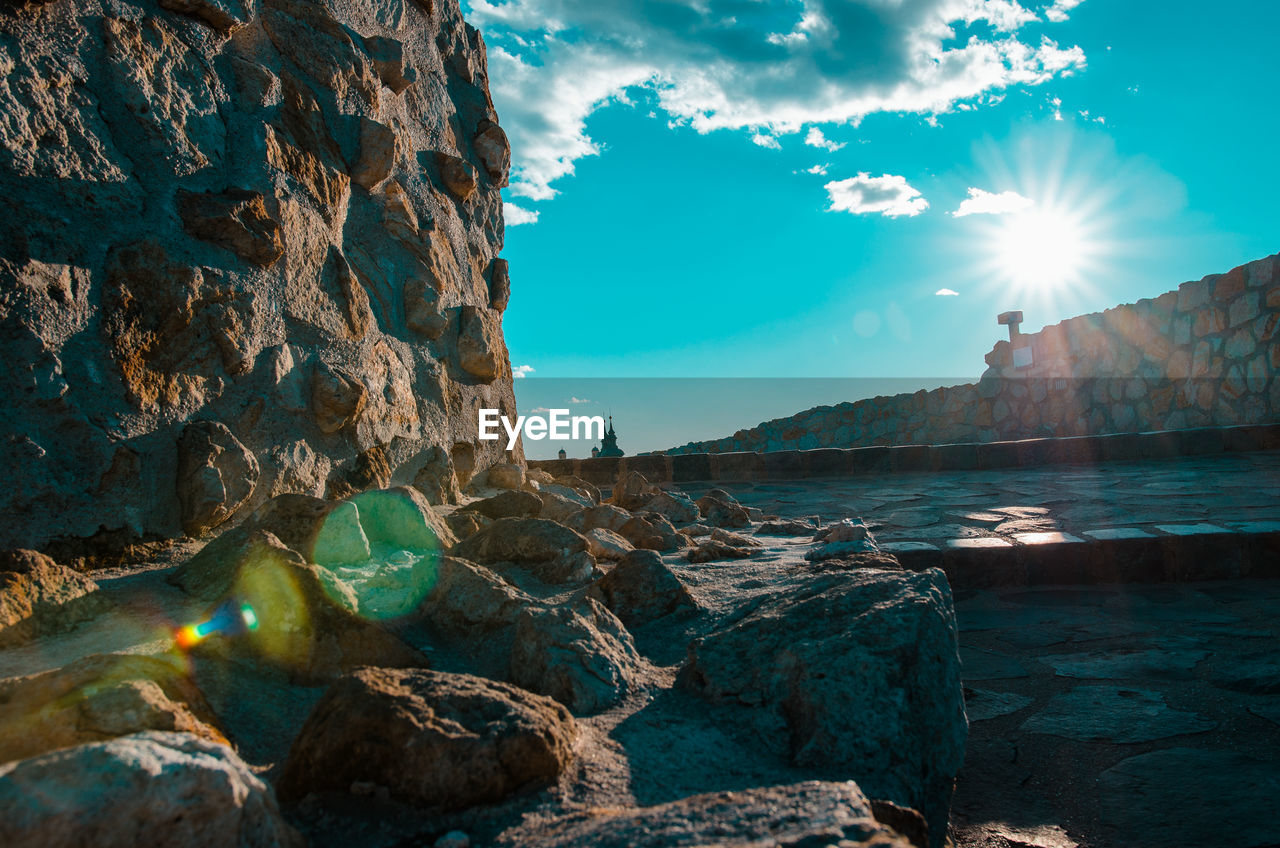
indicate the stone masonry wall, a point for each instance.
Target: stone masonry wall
{"x":1202,"y":355}
{"x":248,"y":247}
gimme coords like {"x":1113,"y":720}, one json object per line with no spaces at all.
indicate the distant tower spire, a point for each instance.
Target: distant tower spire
{"x":609,"y":445}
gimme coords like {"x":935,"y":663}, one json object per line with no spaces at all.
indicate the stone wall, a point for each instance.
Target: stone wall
{"x":250,"y":247}
{"x":1202,"y":355}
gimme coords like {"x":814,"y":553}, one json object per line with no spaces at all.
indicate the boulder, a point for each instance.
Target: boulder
{"x":470,"y":601}
{"x":464,"y":525}
{"x":557,"y":507}
{"x":169,"y":790}
{"x":553,"y":552}
{"x":608,"y":516}
{"x":505,"y":475}
{"x":304,"y":618}
{"x":845,"y":538}
{"x":326,"y":532}
{"x":216,"y":475}
{"x":720,"y":509}
{"x":436,"y":478}
{"x":654,"y":532}
{"x":788,"y":527}
{"x":581,"y":655}
{"x":711,"y":550}
{"x":499,"y":285}
{"x":582,"y":487}
{"x":447,"y":741}
{"x":737,"y":540}
{"x":863,"y":670}
{"x":633,"y":491}
{"x":641,"y":588}
{"x":494,"y":150}
{"x":676,"y":506}
{"x":39,"y":597}
{"x":461,"y":179}
{"x":100,"y":697}
{"x":606,"y":544}
{"x":511,"y":503}
{"x":815,"y":813}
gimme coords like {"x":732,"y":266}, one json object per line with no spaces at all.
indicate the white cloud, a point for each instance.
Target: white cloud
{"x":767,"y":68}
{"x":766,"y":141}
{"x":514,"y":215}
{"x":580,"y":400}
{"x":522,"y":371}
{"x":946,"y":293}
{"x":886,"y":195}
{"x":539,"y":409}
{"x":981,"y":202}
{"x":1058,"y":11}
{"x":820,"y":170}
{"x":815,"y":138}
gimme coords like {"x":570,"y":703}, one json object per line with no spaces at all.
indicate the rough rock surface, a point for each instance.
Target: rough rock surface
{"x":170,"y":790}
{"x":434,"y":739}
{"x":641,"y":588}
{"x":100,"y":697}
{"x":555,"y":553}
{"x":652,"y":531}
{"x":508,"y":504}
{"x":245,"y":245}
{"x":582,"y":656}
{"x":802,"y":814}
{"x":307,"y":621}
{"x":863,"y":669}
{"x":38,"y":596}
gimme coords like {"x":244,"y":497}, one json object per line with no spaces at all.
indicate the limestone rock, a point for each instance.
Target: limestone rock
{"x":720,"y":509}
{"x":235,"y":219}
{"x":186,"y":185}
{"x":641,"y":588}
{"x":862,"y":667}
{"x":652,"y":531}
{"x":508,"y":504}
{"x":801,"y":814}
{"x":469,"y":600}
{"x":478,"y":352}
{"x":499,"y":285}
{"x":555,"y":553}
{"x":557,"y":507}
{"x":712,"y":550}
{"x":582,"y":656}
{"x":494,"y":151}
{"x":633,"y":491}
{"x":582,"y":487}
{"x":843,"y":539}
{"x":337,"y":398}
{"x":226,"y":16}
{"x":676,"y":506}
{"x":505,"y":475}
{"x":436,"y":478}
{"x":737,"y":540}
{"x":39,"y":597}
{"x":379,"y":149}
{"x":216,"y":475}
{"x":100,"y":697}
{"x":606,"y":544}
{"x":306,"y":620}
{"x":466,"y":524}
{"x":179,"y":790}
{"x":432,"y":739}
{"x":788,"y":527}
{"x":606,"y":516}
{"x":461,"y":179}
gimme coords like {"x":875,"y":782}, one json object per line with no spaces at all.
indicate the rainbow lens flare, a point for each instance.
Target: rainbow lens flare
{"x":232,"y":618}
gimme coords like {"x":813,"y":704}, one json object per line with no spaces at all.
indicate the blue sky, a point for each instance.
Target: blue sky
{"x":741,"y":188}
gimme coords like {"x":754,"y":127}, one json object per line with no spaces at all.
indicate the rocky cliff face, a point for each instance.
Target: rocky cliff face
{"x":248,"y":247}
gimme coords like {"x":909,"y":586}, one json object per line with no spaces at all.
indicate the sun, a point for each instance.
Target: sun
{"x":1041,"y":248}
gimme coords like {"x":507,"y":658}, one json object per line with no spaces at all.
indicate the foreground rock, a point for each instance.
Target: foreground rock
{"x":582,"y":656}
{"x":802,"y":814}
{"x":845,"y":538}
{"x":578,"y":653}
{"x":641,"y":588}
{"x":509,"y":504}
{"x":39,"y":597}
{"x":161,"y":789}
{"x":721,"y":509}
{"x":653,"y":532}
{"x":432,"y":739}
{"x":97,"y":698}
{"x":862,"y":667}
{"x":306,"y":621}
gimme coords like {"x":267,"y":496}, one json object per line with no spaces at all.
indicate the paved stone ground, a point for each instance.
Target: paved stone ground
{"x":1101,"y":714}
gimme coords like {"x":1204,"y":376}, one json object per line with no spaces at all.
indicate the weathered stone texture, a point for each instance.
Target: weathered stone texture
{"x":280,"y":218}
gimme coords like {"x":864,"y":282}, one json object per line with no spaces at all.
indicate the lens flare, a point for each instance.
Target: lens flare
{"x":231,"y":618}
